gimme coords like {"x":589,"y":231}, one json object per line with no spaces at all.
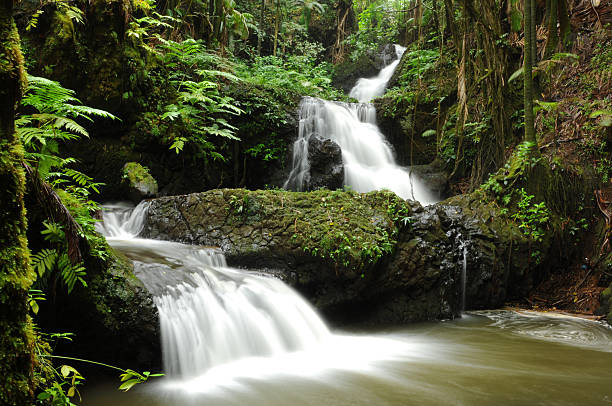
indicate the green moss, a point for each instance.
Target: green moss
{"x":16,"y":347}
{"x":352,"y":230}
{"x":138,"y":177}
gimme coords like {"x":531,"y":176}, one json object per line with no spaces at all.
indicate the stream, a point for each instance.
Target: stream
{"x":235,"y":337}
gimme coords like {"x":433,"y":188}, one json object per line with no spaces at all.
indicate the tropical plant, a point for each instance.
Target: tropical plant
{"x":51,"y":117}
{"x":200,"y":106}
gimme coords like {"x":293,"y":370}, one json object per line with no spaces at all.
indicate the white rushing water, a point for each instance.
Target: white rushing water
{"x":368,"y":88}
{"x":211,"y":314}
{"x":368,"y":160}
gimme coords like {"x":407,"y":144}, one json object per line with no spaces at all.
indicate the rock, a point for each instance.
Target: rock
{"x":361,"y":258}
{"x":435,"y":176}
{"x":326,"y":167}
{"x":605,"y":304}
{"x":140,"y":182}
{"x":113,"y":318}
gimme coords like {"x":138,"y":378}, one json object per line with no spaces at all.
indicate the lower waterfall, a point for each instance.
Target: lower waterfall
{"x":211,"y":314}
{"x":238,"y":337}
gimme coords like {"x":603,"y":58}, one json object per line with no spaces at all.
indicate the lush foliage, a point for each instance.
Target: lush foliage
{"x":53,"y":118}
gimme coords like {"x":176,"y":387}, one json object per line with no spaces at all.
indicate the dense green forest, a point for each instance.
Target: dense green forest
{"x":504,"y":105}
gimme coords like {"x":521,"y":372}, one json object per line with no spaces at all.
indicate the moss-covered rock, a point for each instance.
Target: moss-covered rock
{"x":361,"y":257}
{"x":113,"y":318}
{"x":605,"y":301}
{"x":140,"y":182}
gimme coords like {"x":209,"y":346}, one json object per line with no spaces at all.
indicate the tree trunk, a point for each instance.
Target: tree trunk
{"x":450,"y":21}
{"x":16,"y":347}
{"x":532,"y":33}
{"x":261,"y":26}
{"x":217,"y":19}
{"x":553,"y":36}
{"x":276,"y":26}
{"x":564,"y":22}
{"x":528,"y":74}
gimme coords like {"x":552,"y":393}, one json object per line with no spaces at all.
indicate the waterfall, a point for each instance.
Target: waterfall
{"x":121,"y":220}
{"x":368,"y":88}
{"x":211,"y":314}
{"x":367,"y":157}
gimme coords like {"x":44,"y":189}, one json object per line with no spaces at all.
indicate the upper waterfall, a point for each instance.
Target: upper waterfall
{"x":368,"y":88}
{"x":368,"y":160}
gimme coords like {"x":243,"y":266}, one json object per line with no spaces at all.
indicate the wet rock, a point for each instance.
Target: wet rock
{"x":435,"y":176}
{"x":326,"y":167}
{"x":317,"y":242}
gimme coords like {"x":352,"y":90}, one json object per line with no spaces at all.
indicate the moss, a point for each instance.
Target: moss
{"x":352,"y":230}
{"x":16,"y":346}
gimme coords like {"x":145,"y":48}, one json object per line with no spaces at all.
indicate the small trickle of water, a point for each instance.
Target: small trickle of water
{"x":463,"y":278}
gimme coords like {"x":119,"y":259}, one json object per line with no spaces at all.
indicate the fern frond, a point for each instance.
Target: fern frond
{"x":44,"y":261}
{"x":71,"y":274}
{"x":71,"y":125}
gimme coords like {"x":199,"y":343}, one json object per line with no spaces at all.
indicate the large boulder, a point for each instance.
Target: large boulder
{"x":360,"y":257}
{"x":326,"y":167}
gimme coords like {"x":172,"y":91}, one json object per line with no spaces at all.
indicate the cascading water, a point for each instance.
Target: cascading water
{"x":211,"y":314}
{"x":368,"y":160}
{"x":368,"y":88}
{"x":234,"y":337}
{"x":463,"y":278}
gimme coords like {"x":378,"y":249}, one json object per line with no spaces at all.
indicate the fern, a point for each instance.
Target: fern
{"x":53,"y":233}
{"x":57,"y":110}
{"x":44,"y":261}
{"x":71,"y":274}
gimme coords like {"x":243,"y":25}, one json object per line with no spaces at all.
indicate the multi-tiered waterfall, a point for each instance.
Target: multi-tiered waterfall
{"x":367,"y":157}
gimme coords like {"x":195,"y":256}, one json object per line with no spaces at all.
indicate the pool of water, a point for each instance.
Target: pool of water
{"x":485,"y":358}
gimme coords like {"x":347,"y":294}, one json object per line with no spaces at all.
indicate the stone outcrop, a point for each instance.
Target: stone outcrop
{"x":326,"y":167}
{"x":370,"y":258}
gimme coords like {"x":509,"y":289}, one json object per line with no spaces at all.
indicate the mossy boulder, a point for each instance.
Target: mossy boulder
{"x":113,"y":318}
{"x":371,"y":257}
{"x":139,"y":181}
